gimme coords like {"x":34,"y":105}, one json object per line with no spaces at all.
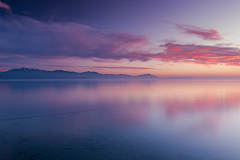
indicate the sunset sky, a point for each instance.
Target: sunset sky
{"x":161,"y":37}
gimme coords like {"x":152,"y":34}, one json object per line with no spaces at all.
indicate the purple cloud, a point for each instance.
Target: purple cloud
{"x":25,"y":36}
{"x":206,"y":34}
{"x":5,"y":6}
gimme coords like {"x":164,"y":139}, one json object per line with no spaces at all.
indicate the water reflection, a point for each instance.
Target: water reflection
{"x":119,"y":119}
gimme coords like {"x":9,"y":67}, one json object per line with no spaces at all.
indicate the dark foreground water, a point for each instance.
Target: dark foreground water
{"x":119,"y":120}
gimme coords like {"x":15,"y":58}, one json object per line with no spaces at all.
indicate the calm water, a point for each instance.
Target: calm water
{"x":120,"y":120}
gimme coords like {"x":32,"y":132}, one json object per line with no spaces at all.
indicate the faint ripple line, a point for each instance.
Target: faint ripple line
{"x":53,"y":114}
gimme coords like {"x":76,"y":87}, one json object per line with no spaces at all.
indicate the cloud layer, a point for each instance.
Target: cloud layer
{"x":206,"y":34}
{"x":23,"y":36}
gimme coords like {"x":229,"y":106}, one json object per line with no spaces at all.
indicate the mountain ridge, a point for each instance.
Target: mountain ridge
{"x":31,"y":73}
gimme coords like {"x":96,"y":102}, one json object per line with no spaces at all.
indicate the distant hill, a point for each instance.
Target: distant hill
{"x":30,"y":73}
{"x":26,"y":73}
{"x":147,"y":76}
{"x":184,"y":77}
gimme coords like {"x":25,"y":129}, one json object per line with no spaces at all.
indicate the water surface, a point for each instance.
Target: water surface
{"x":122,"y":120}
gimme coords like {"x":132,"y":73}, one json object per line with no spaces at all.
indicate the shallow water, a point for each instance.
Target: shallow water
{"x":119,"y":120}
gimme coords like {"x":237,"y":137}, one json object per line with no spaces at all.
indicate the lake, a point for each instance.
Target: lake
{"x":119,"y":120}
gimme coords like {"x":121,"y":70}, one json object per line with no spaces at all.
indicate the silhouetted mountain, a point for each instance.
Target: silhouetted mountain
{"x":24,"y":70}
{"x":90,"y":73}
{"x":26,"y":73}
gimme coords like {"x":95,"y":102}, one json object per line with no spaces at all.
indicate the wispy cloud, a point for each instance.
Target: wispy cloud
{"x":115,"y":67}
{"x":103,"y":60}
{"x":206,"y":34}
{"x":170,"y":40}
{"x":5,"y":6}
{"x":97,"y":67}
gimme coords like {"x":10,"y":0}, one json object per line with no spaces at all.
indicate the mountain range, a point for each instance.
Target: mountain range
{"x":30,"y":73}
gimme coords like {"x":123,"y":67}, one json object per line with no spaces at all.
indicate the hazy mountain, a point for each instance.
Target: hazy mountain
{"x":147,"y":76}
{"x":184,"y":77}
{"x":26,"y":73}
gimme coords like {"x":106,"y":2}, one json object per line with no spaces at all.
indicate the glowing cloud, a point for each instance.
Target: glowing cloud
{"x":200,"y":54}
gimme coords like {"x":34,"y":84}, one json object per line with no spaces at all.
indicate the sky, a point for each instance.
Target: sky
{"x":162,"y":37}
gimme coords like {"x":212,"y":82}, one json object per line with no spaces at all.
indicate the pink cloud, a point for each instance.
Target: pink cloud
{"x":206,"y":34}
{"x":5,"y":6}
{"x":200,"y":54}
{"x":225,"y":44}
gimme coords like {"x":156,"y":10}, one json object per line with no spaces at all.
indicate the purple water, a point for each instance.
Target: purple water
{"x":100,"y":120}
